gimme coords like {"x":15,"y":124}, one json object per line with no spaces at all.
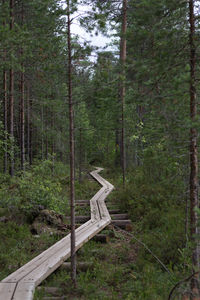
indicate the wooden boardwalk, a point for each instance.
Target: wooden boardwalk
{"x":21,"y":284}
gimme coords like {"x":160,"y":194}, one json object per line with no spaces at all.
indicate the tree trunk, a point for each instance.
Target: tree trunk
{"x":193,"y":157}
{"x":80,"y":155}
{"x":22,"y":138}
{"x":42,"y":142}
{"x":5,"y":111}
{"x":22,"y":119}
{"x":29,"y":125}
{"x":30,"y":130}
{"x":47,"y":132}
{"x":72,"y":159}
{"x":122,"y":87}
{"x":11,"y":90}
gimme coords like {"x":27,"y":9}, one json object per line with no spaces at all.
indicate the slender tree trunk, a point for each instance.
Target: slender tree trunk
{"x":11,"y":90}
{"x":122,"y":88}
{"x":47,"y":148}
{"x":22,"y":135}
{"x":80,"y":154}
{"x":22,"y":118}
{"x":53,"y":141}
{"x":31,"y":131}
{"x":5,"y":113}
{"x":42,"y":142}
{"x":28,"y":123}
{"x":72,"y":159}
{"x":193,"y":157}
{"x":5,"y":110}
{"x":47,"y":139}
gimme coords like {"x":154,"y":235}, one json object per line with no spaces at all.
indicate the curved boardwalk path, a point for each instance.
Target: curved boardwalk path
{"x":21,"y":284}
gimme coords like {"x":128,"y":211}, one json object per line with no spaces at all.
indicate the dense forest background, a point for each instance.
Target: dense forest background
{"x":147,"y":135}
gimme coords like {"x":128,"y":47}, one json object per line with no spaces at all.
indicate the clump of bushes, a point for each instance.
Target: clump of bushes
{"x":33,"y":189}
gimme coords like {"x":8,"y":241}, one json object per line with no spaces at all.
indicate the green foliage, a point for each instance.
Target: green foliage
{"x":33,"y":188}
{"x":19,"y":246}
{"x":154,"y":197}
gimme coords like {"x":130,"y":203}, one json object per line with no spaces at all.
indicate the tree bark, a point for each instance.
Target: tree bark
{"x":193,"y":157}
{"x":72,"y":159}
{"x":80,"y":155}
{"x":122,"y":87}
{"x":5,"y":113}
{"x":11,"y":90}
{"x":29,"y":125}
{"x":22,"y":118}
{"x":30,"y":130}
{"x":42,"y":142}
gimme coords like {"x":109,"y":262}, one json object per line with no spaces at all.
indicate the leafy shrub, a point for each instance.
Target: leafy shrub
{"x":35,"y":187}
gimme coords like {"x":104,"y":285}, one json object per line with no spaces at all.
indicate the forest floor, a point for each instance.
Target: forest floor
{"x":120,"y":269}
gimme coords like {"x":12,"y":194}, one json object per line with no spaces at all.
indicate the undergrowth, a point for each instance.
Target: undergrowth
{"x":122,"y":269}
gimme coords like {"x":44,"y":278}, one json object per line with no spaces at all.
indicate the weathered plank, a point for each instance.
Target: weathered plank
{"x":7,"y":290}
{"x":24,"y":291}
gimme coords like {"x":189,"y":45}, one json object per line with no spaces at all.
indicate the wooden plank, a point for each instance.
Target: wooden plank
{"x":38,"y":260}
{"x":43,"y":270}
{"x":24,"y":291}
{"x":52,"y":263}
{"x":7,"y":290}
{"x":103,"y":210}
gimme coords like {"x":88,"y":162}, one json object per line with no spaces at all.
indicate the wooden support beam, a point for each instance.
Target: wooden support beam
{"x":119,"y":216}
{"x":53,"y":291}
{"x":81,"y":266}
{"x":82,"y":202}
{"x":82,"y":219}
{"x":123,"y":224}
{"x":102,"y":238}
{"x":114,"y":211}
